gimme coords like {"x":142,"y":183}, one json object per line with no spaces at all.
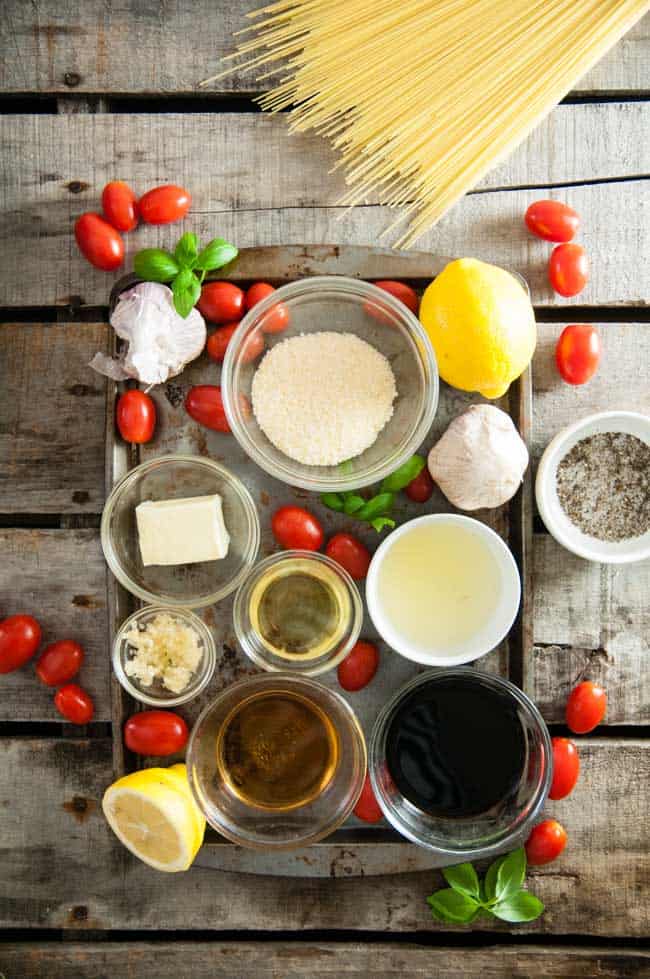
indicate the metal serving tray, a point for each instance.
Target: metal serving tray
{"x":357,"y":849}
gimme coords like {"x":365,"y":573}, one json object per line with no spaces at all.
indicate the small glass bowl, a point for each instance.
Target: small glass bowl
{"x":504,"y":827}
{"x":157,"y":695}
{"x":261,"y":652}
{"x":266,"y":829}
{"x":342,"y":305}
{"x":185,"y":585}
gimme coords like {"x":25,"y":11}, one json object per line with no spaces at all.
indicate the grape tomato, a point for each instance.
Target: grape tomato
{"x":155,"y":732}
{"x":120,"y":205}
{"x":221,"y":302}
{"x":350,"y":553}
{"x":359,"y":667}
{"x":73,"y":703}
{"x":577,"y":353}
{"x":20,"y":637}
{"x":568,"y":269}
{"x":99,"y":242}
{"x":59,"y":662}
{"x":164,"y":204}
{"x":297,"y":529}
{"x":552,"y":221}
{"x":136,"y":416}
{"x":205,"y":405}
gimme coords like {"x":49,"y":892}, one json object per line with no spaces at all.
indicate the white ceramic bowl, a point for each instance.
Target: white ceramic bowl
{"x":490,"y":635}
{"x":548,"y":504}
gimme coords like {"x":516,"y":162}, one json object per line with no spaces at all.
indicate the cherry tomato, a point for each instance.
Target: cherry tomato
{"x":566,"y":768}
{"x":20,"y":637}
{"x":577,"y":353}
{"x":218,"y":343}
{"x":545,"y":843}
{"x":350,"y":553}
{"x":295,"y":528}
{"x":59,"y":662}
{"x":586,"y":707}
{"x":164,"y":204}
{"x":360,"y":665}
{"x":401,"y":291}
{"x":155,"y":732}
{"x":136,"y":416}
{"x":221,"y":302}
{"x":120,"y":205}
{"x":568,"y":269}
{"x":74,"y":704}
{"x":367,"y":807}
{"x":99,"y":242}
{"x":205,"y":405}
{"x":277,"y":318}
{"x":552,"y":220}
{"x":420,"y":489}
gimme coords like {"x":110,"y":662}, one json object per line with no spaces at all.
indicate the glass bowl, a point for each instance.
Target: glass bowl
{"x":156,"y":694}
{"x":341,"y":305}
{"x":276,"y":829}
{"x":507,"y":824}
{"x":345,"y":594}
{"x":184,"y":585}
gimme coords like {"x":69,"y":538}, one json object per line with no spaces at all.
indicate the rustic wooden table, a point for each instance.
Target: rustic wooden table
{"x":92,"y":90}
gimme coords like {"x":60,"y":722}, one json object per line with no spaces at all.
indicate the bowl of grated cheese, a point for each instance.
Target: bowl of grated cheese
{"x":342,"y":396}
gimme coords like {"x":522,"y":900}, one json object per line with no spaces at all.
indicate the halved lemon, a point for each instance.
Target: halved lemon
{"x":153,"y":813}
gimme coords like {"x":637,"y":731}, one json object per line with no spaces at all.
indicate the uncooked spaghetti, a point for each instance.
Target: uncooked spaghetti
{"x":422,"y":97}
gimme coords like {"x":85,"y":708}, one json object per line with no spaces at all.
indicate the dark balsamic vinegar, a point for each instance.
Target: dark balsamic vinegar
{"x":456,"y":747}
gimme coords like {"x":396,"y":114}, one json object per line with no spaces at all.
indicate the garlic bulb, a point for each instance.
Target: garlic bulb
{"x":480,"y":460}
{"x":160,"y":342}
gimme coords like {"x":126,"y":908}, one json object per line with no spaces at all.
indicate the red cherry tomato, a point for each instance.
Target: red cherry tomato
{"x":74,"y":704}
{"x":155,"y":732}
{"x":350,"y":553}
{"x":367,"y":807}
{"x":59,"y":662}
{"x":401,"y":291}
{"x":164,"y":204}
{"x":545,"y":843}
{"x":136,"y":416}
{"x":120,"y":205}
{"x":221,"y":302}
{"x":360,"y":665}
{"x":552,"y":220}
{"x":295,"y":528}
{"x":566,"y":768}
{"x":99,"y":242}
{"x":205,"y":405}
{"x":20,"y":637}
{"x":218,"y":343}
{"x":568,"y":269}
{"x":586,"y":707}
{"x":420,"y":489}
{"x":277,"y":318}
{"x":577,"y":353}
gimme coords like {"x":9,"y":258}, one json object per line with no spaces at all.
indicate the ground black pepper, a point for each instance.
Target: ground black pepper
{"x":603,"y":485}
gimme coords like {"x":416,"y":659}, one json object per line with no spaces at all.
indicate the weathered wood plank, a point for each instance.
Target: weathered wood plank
{"x":52,"y":410}
{"x":60,"y":577}
{"x":253,"y":182}
{"x":275,"y":960}
{"x":134,"y":48}
{"x":63,"y":869}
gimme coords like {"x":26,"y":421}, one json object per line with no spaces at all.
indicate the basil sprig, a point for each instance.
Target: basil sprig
{"x":180,"y":269}
{"x":375,"y":511}
{"x":500,"y":893}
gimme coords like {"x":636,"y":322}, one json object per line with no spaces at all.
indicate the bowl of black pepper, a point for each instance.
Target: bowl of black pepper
{"x":593,"y":487}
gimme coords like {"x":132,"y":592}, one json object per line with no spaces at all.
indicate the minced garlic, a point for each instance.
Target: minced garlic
{"x":164,"y":649}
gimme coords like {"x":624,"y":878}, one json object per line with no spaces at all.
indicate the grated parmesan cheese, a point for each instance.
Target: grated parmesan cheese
{"x":322,"y":398}
{"x":165,"y":649}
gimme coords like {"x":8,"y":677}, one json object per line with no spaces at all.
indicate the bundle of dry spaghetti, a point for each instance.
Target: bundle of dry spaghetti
{"x":422,"y":97}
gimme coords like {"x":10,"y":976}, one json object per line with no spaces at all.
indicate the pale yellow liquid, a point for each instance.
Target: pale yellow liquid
{"x":438,"y":586}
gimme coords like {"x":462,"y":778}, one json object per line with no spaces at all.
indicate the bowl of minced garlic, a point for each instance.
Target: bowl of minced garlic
{"x":164,"y":656}
{"x":593,"y":487}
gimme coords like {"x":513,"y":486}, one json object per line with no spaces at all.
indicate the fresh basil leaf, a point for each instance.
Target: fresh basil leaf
{"x":155,"y":265}
{"x":450,"y":905}
{"x":403,"y":476}
{"x":187,"y":250}
{"x":511,"y":874}
{"x":215,"y":255}
{"x":378,"y":506}
{"x":521,"y":906}
{"x":380,"y":522}
{"x":353,"y":503}
{"x":490,"y":879}
{"x":464,"y":879}
{"x":186,"y":289}
{"x":333,"y":501}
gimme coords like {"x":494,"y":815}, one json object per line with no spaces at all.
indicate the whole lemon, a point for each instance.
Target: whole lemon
{"x":481,"y":325}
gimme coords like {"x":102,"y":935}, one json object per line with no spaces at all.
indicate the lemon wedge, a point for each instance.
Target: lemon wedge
{"x":153,"y":813}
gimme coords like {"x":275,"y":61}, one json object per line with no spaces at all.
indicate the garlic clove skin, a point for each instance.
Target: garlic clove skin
{"x":160,"y":342}
{"x":480,"y":460}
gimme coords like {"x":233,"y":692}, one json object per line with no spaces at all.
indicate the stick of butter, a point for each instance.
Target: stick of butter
{"x":182,"y":531}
